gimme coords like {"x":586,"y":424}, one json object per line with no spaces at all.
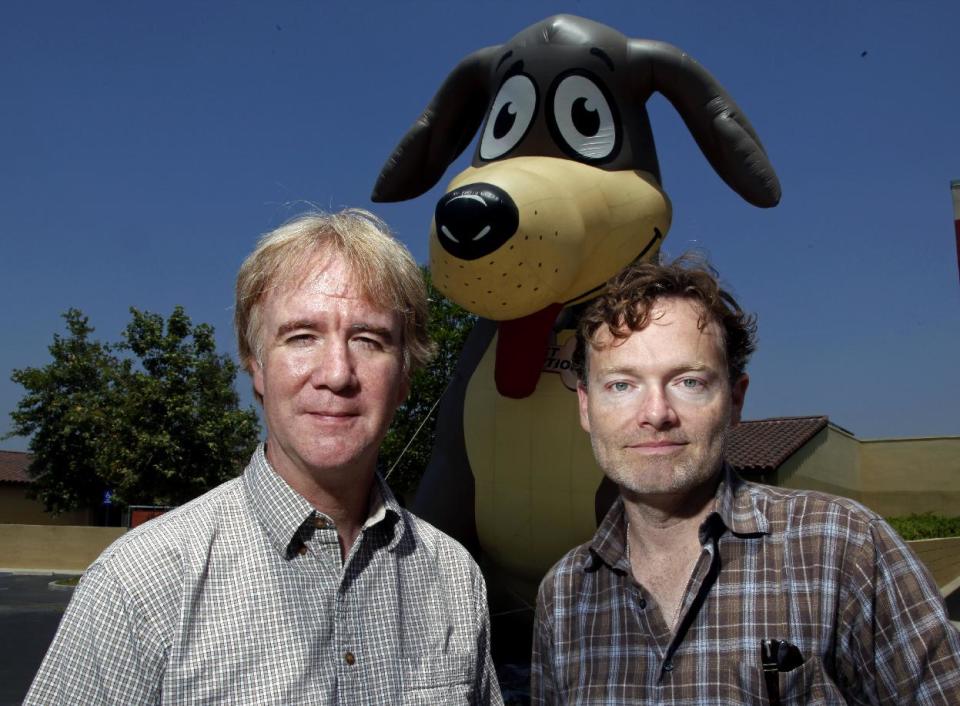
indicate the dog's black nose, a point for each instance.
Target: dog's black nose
{"x":475,"y":220}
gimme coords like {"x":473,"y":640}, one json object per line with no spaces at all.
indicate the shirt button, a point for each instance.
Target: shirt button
{"x":643,"y":603}
{"x":349,"y":658}
{"x":668,"y":666}
{"x":320,"y":522}
{"x":302,"y":550}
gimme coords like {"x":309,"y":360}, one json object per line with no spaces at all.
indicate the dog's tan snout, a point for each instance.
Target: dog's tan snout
{"x":475,"y":220}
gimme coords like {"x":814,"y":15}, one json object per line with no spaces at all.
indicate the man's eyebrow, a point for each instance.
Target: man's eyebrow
{"x":289,"y":326}
{"x":603,"y":56}
{"x":679,"y":369}
{"x":693,"y":366}
{"x":385,"y":333}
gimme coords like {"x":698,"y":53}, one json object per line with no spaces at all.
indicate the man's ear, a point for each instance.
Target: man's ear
{"x":583,"y":404}
{"x":738,"y":395}
{"x":256,"y":372}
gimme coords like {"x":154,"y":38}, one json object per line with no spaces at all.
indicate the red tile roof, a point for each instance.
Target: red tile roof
{"x":762,"y":445}
{"x":13,"y":467}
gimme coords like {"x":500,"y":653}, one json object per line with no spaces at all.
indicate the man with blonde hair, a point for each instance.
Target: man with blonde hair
{"x":303,"y":580}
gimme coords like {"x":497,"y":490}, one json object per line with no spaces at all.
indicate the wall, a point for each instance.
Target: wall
{"x":942,"y":557}
{"x":52,"y":548}
{"x":829,"y":462}
{"x":16,"y":508}
{"x":904,"y":476}
{"x":890,"y":476}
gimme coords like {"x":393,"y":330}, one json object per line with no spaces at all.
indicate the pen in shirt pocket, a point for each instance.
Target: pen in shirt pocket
{"x":777,"y":656}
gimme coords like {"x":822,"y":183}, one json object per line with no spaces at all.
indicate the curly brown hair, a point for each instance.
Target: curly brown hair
{"x":625,"y":306}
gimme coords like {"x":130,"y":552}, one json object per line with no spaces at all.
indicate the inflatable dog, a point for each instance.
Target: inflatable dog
{"x":563,"y":191}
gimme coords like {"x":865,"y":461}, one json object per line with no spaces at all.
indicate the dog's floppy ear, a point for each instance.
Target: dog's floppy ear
{"x":442,"y":131}
{"x":716,"y":122}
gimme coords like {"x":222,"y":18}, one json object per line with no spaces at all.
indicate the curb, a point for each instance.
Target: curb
{"x":54,"y":586}
{"x":60,"y":573}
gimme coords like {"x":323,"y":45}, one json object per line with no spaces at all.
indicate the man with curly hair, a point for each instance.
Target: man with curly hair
{"x":701,"y":588}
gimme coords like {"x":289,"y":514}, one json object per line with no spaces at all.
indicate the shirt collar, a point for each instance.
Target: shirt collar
{"x":737,"y":509}
{"x":385,"y":511}
{"x":283,"y":512}
{"x":609,"y":545}
{"x":740,"y":509}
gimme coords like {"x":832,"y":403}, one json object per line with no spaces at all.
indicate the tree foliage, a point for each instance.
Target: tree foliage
{"x":154,"y":418}
{"x":448,"y":327}
{"x":65,"y":413}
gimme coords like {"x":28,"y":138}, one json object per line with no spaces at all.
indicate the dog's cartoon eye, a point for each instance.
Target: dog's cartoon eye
{"x":509,"y":118}
{"x":584,"y":118}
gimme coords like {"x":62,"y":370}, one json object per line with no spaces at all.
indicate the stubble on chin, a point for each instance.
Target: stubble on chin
{"x":662,"y":476}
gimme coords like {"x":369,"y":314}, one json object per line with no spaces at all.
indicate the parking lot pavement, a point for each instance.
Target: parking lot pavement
{"x":29,"y":615}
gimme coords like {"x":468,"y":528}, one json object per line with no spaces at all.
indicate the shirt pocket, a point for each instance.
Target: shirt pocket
{"x":438,"y":679}
{"x":807,"y":684}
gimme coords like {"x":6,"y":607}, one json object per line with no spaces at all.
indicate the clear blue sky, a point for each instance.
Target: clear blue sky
{"x":145,"y":146}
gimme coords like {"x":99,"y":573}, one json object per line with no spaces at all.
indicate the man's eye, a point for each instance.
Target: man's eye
{"x":692,"y":384}
{"x":300,"y":339}
{"x":620,"y":386}
{"x":369,"y":343}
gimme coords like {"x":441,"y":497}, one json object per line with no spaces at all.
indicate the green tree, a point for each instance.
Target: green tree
{"x":65,"y":414}
{"x":448,"y":327}
{"x":178,"y":430}
{"x":158,"y":424}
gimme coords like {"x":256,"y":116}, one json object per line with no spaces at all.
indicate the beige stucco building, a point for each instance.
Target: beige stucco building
{"x":16,"y":507}
{"x":893,"y":477}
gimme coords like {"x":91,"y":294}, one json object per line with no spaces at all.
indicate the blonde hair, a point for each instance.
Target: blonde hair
{"x":384,"y":271}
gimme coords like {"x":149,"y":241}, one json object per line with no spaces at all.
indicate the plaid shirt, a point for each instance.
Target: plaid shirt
{"x":821,"y":572}
{"x":240,"y":597}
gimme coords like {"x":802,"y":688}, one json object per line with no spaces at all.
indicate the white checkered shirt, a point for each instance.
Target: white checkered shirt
{"x":240,"y":597}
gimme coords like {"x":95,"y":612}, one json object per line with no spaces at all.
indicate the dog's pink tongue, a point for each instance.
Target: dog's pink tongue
{"x":521,"y":350}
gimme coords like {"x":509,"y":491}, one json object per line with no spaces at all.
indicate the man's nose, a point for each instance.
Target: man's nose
{"x":333,"y":367}
{"x":656,"y":410}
